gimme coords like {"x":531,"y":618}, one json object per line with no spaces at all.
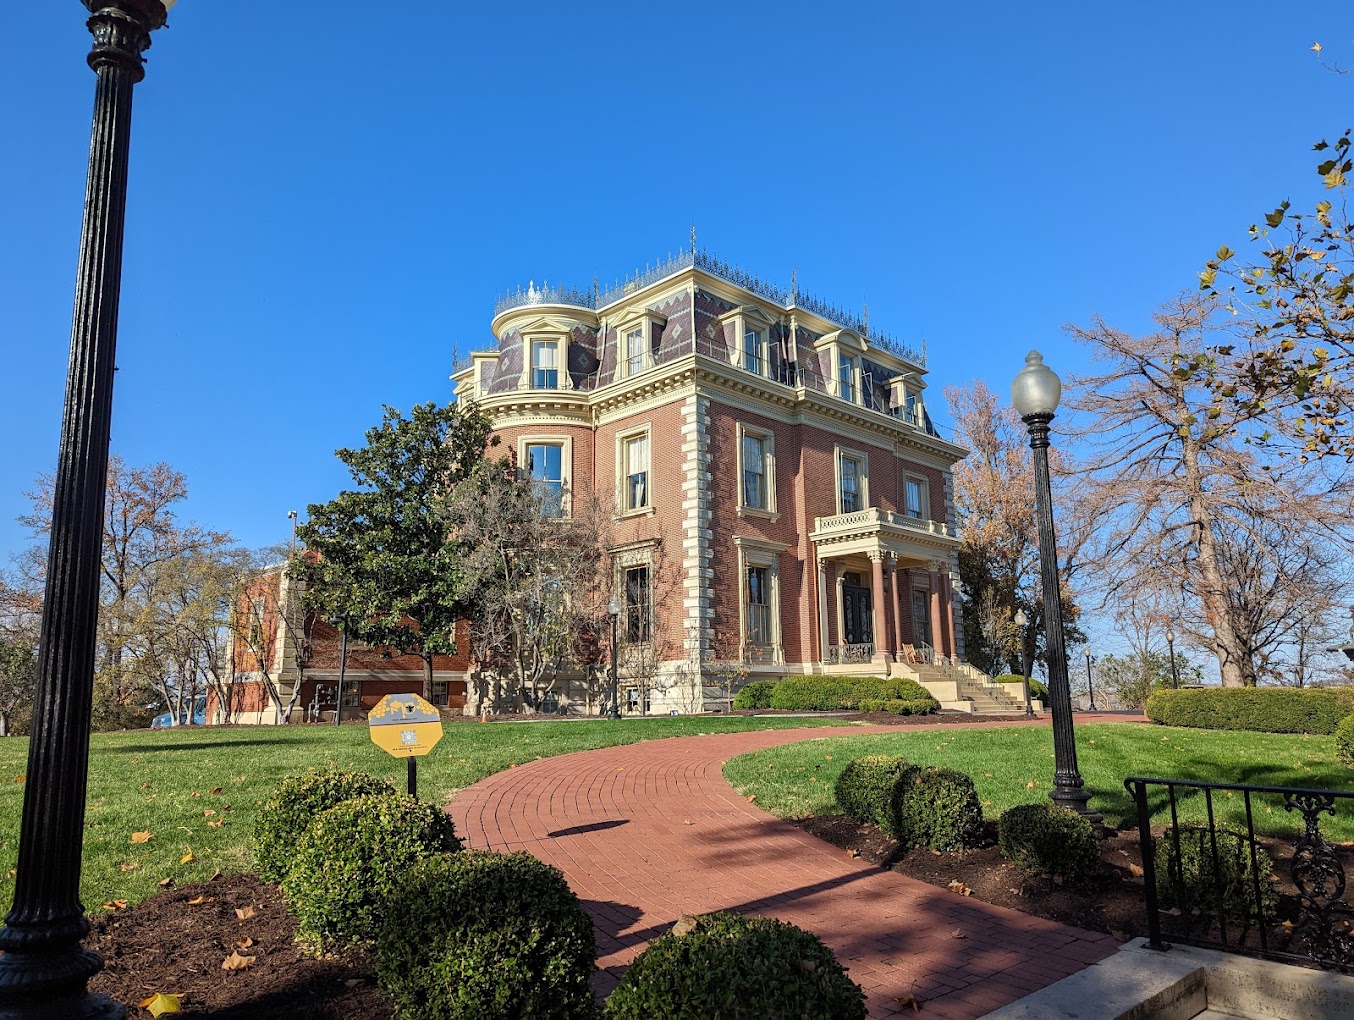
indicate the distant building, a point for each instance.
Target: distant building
{"x":782,"y":503}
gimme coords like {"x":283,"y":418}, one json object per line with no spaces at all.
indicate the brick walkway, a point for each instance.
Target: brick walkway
{"x":650,"y":831}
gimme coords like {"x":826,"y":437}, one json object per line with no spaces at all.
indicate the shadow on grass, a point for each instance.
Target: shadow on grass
{"x":150,"y":748}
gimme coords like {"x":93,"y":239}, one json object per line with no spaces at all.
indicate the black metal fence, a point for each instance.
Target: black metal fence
{"x":1210,"y":881}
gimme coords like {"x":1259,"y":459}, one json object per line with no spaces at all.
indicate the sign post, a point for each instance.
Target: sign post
{"x":405,"y":726}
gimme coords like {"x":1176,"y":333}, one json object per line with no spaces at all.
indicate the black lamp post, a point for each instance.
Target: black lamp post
{"x":1090,"y":687}
{"x":342,"y":623}
{"x":614,"y":611}
{"x":1022,"y":621}
{"x":1035,"y":393}
{"x":43,"y":968}
{"x":1170,"y":643}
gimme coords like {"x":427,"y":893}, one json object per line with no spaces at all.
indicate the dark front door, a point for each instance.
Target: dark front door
{"x":921,"y":617}
{"x":858,"y":610}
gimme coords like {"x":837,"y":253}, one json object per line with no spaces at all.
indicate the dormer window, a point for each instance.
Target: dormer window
{"x":636,"y":351}
{"x":748,"y":334}
{"x":638,"y":334}
{"x":754,"y":351}
{"x":846,"y":377}
{"x":544,"y":364}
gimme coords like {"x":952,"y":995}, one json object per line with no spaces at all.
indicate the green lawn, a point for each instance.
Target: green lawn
{"x":175,"y":783}
{"x":1015,"y":766}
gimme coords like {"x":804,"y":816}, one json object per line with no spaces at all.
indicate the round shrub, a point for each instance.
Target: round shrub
{"x":486,"y":936}
{"x":938,"y":808}
{"x":1344,"y":741}
{"x":736,"y":968}
{"x":1189,"y":880}
{"x":351,"y":860}
{"x":1049,"y":839}
{"x":865,"y":789}
{"x":756,"y":694}
{"x":291,"y":807}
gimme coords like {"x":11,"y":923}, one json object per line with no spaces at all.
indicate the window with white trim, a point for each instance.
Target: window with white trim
{"x":545,"y":468}
{"x":544,"y":364}
{"x":638,"y":604}
{"x":853,"y":481}
{"x":636,"y":351}
{"x":759,"y":634}
{"x":756,"y":471}
{"x":754,"y":351}
{"x":758,"y":602}
{"x":635,"y":469}
{"x":916,"y":498}
{"x":846,"y":377}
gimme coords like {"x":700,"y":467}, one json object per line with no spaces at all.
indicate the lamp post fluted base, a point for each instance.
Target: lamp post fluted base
{"x":51,"y":986}
{"x":1077,"y":799}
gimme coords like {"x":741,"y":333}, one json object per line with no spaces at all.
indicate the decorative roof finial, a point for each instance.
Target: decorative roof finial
{"x":693,"y":239}
{"x":866,"y":323}
{"x":794,"y":285}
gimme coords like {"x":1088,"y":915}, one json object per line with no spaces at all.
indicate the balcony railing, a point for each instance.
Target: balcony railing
{"x":841,"y":655}
{"x":878,"y":517}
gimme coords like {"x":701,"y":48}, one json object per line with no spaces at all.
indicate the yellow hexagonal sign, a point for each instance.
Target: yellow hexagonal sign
{"x":405,"y":725}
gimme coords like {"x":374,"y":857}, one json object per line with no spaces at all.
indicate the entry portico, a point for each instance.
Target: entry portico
{"x":890,"y":580}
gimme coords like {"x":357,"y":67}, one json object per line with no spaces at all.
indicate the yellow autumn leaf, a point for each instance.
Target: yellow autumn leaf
{"x":160,"y":1003}
{"x":216,"y":824}
{"x":130,"y":866}
{"x":187,"y":858}
{"x":199,"y":899}
{"x":140,"y":837}
{"x":115,"y":905}
{"x":165,"y":883}
{"x":959,"y":887}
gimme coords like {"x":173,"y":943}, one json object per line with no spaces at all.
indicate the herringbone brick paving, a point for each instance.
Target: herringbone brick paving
{"x":650,"y":831}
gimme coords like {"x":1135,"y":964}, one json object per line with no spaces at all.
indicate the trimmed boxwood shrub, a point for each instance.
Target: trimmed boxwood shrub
{"x":1037,"y":688}
{"x":736,"y":968}
{"x":837,"y":693}
{"x":937,"y":807}
{"x":756,"y":694}
{"x":1263,"y":709}
{"x":352,"y":859}
{"x":865,"y":789}
{"x":1190,"y":881}
{"x":1049,"y":839}
{"x":1344,"y":741}
{"x":291,"y":807}
{"x":478,"y":935}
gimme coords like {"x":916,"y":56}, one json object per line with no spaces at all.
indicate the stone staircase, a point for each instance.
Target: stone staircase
{"x":969,"y":689}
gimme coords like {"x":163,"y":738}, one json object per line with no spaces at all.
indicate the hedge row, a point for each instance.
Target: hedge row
{"x":1264,"y":709}
{"x":837,"y":693}
{"x":756,"y":694}
{"x":1037,"y":688}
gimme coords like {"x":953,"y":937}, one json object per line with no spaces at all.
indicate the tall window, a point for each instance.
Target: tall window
{"x":846,"y":377}
{"x":636,"y":357}
{"x":910,"y":412}
{"x":914,"y":498}
{"x":758,"y":606}
{"x":851,"y":471}
{"x":754,"y":472}
{"x":545,"y":467}
{"x":638,"y":604}
{"x":635,"y":458}
{"x":545,"y":365}
{"x":753,"y":356}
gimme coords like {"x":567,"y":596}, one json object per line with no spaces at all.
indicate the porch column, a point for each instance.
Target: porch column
{"x":937,"y":620}
{"x":841,"y":610}
{"x":947,"y":607}
{"x":822,"y":611}
{"x":881,"y":625}
{"x":894,"y":579}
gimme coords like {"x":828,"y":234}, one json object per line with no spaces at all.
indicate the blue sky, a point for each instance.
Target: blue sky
{"x":326,"y":199}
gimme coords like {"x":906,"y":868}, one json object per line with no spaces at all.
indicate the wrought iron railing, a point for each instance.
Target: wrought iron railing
{"x":841,"y":655}
{"x":1241,"y":909}
{"x":688,"y":258}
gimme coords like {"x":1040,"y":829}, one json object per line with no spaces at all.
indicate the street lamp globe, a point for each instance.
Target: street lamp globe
{"x":1036,"y":389}
{"x":1020,"y":618}
{"x":613,"y":608}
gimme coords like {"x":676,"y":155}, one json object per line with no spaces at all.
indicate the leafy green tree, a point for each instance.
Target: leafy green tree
{"x":18,"y":680}
{"x":382,"y":557}
{"x":1132,"y":677}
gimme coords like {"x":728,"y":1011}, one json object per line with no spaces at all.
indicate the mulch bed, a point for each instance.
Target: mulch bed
{"x":167,"y":944}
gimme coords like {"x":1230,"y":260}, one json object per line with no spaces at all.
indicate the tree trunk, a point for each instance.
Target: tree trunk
{"x":428,"y":677}
{"x":4,"y":723}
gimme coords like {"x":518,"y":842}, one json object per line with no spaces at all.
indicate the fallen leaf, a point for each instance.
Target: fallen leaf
{"x":145,"y":786}
{"x":216,"y":824}
{"x":684,"y":926}
{"x":201,"y":899}
{"x":208,"y":812}
{"x":187,"y":858}
{"x":245,"y":913}
{"x":115,"y":905}
{"x":130,"y":866}
{"x":165,"y":883}
{"x":21,"y":778}
{"x":244,"y":943}
{"x":215,"y":791}
{"x":197,"y":793}
{"x":959,"y":933}
{"x":935,"y":853}
{"x":237,"y":962}
{"x":959,"y":887}
{"x":215,"y":875}
{"x":852,"y":853}
{"x":140,"y":837}
{"x":1031,"y":785}
{"x":161,"y":1003}
{"x":909,"y":1000}
{"x":1135,"y":870}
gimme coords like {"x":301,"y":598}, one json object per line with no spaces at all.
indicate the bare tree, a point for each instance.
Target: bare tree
{"x":1183,"y":509}
{"x":271,"y":636}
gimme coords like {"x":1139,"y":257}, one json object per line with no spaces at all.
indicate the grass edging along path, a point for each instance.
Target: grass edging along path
{"x":1014,"y":765}
{"x":196,"y":790}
